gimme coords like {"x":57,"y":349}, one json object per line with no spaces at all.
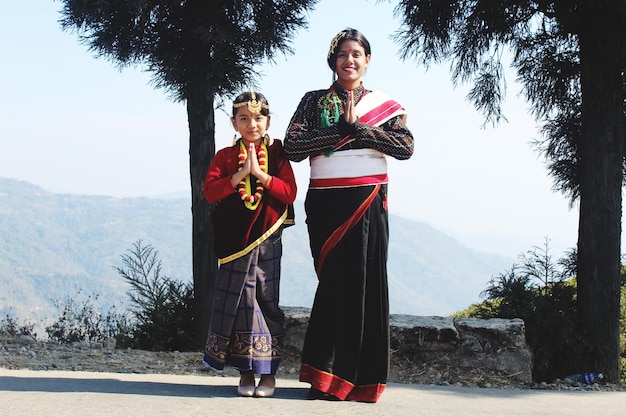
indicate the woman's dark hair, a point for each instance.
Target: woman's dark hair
{"x":251,"y":98}
{"x":348,"y":34}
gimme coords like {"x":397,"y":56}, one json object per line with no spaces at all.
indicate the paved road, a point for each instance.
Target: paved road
{"x":61,"y":393}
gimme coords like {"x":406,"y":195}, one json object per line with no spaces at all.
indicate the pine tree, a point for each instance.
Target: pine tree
{"x":570,"y":58}
{"x":200,"y":52}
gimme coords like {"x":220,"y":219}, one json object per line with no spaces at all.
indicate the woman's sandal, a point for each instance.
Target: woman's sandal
{"x":315,"y":394}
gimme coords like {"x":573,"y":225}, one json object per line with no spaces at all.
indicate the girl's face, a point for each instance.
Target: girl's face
{"x":351,"y":64}
{"x":251,"y":126}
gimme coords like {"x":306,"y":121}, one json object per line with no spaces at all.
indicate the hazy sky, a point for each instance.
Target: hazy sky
{"x":72,"y":123}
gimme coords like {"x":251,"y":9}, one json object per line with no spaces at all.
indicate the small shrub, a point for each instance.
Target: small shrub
{"x":117,"y":325}
{"x":161,"y":307}
{"x":82,"y":321}
{"x":11,"y":326}
{"x":543,"y":294}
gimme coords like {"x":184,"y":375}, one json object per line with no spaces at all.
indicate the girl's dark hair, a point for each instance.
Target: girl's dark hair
{"x":348,"y":34}
{"x":244,"y":98}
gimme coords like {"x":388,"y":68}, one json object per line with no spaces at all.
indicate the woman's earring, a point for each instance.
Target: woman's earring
{"x":266,"y":139}
{"x":235,"y":139}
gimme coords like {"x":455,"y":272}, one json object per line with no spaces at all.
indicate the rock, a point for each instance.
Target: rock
{"x":433,"y":350}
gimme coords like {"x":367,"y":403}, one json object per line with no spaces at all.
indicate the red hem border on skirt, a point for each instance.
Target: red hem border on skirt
{"x":339,"y":387}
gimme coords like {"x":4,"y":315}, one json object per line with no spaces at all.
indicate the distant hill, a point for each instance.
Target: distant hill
{"x":55,"y":245}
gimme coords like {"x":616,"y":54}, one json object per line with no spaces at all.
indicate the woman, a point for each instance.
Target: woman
{"x":253,"y":186}
{"x":346,"y":132}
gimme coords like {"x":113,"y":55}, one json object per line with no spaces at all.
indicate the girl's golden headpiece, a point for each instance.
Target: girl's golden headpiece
{"x":254,"y":106}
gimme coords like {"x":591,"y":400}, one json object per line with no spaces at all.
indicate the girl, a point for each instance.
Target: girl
{"x":253,"y":187}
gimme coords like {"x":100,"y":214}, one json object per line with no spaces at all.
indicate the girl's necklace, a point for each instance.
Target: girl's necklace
{"x":251,"y":201}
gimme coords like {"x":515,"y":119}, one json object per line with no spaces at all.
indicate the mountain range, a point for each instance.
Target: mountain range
{"x":54,"y":246}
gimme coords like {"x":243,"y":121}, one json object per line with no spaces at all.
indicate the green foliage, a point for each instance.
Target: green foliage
{"x":81,"y":320}
{"x":544,"y":44}
{"x":220,"y":41}
{"x":543,"y":294}
{"x":161,"y":306}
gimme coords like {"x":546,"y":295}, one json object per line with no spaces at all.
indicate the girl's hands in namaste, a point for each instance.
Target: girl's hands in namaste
{"x":250,"y":167}
{"x":254,"y":167}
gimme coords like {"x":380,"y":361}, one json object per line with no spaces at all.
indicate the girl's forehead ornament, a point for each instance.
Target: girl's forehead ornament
{"x":254,"y":106}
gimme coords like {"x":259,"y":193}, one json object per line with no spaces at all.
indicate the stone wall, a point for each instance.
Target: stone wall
{"x":443,"y":350}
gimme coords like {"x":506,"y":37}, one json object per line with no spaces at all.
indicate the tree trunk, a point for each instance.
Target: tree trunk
{"x":200,"y":95}
{"x":201,"y":120}
{"x":601,"y":151}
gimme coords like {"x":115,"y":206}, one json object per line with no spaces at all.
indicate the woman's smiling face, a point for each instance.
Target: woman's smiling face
{"x":351,"y":64}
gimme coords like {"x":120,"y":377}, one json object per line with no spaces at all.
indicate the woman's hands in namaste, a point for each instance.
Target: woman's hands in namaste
{"x":349,"y":113}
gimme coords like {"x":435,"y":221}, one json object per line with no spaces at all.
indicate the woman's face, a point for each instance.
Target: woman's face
{"x":351,"y":64}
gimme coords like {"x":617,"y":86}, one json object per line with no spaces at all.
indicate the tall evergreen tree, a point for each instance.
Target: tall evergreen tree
{"x":570,"y":57}
{"x":199,"y":51}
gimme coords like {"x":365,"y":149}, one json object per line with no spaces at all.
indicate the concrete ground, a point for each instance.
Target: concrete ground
{"x":62,"y":393}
